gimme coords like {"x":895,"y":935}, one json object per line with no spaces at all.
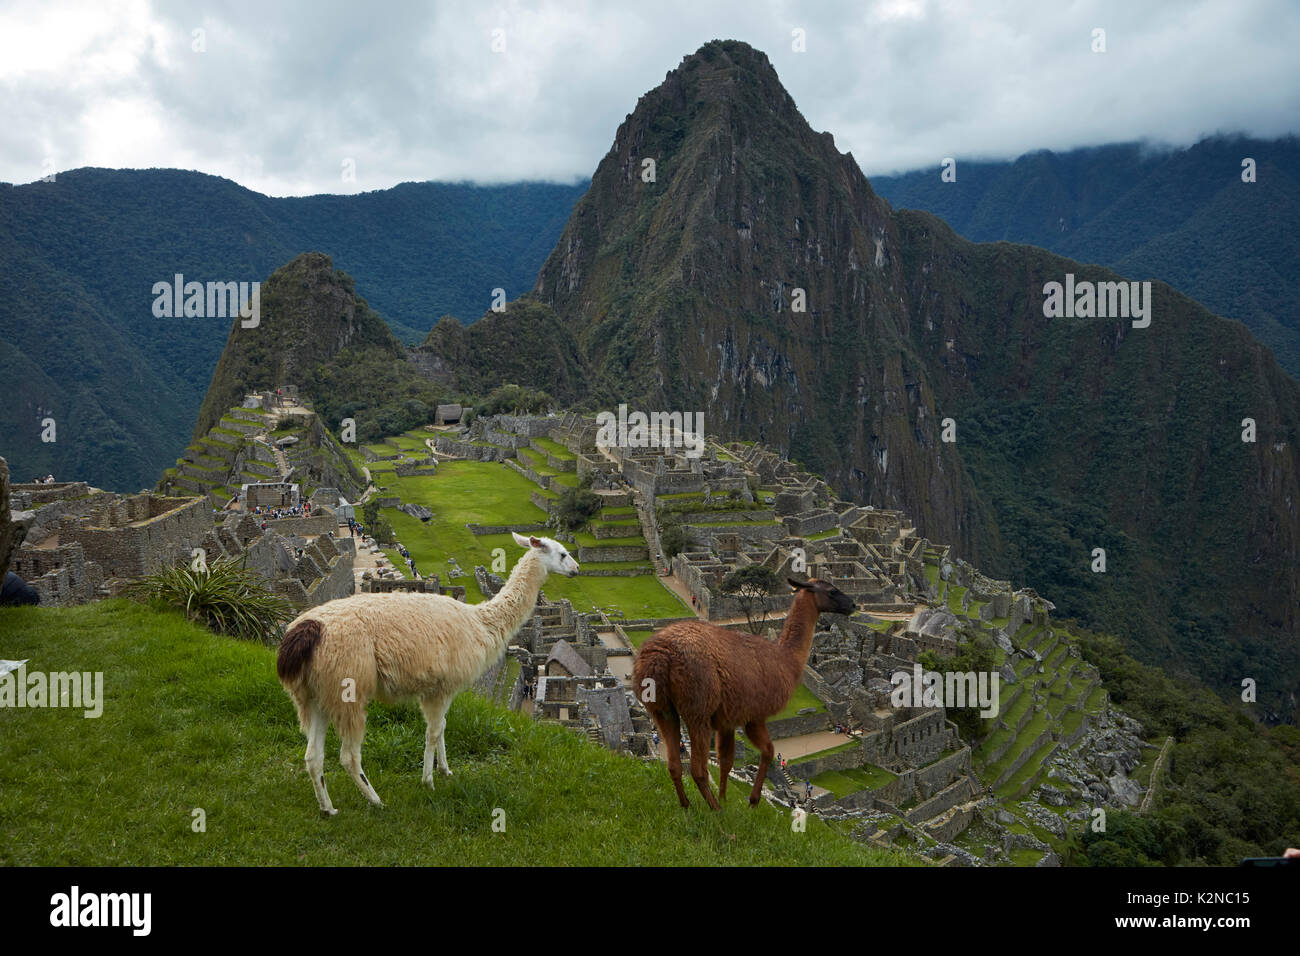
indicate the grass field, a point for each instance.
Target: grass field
{"x":843,"y":782}
{"x":192,"y":721}
{"x":491,"y":494}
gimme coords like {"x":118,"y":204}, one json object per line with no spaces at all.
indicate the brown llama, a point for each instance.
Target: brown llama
{"x":712,"y":679}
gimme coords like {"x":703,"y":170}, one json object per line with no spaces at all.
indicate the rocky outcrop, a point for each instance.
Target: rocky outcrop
{"x":13,"y":525}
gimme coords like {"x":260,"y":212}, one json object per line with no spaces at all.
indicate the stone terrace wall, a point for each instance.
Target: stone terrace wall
{"x":795,"y":726}
{"x":322,"y":523}
{"x":24,"y":495}
{"x":844,"y":760}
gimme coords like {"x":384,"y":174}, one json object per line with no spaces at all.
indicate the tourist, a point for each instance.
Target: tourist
{"x":808,"y":788}
{"x":15,"y":591}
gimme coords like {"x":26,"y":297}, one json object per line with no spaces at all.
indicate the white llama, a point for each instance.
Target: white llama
{"x":337,"y":657}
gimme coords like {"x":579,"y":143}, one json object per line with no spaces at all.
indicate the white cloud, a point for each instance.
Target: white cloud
{"x":284,"y":93}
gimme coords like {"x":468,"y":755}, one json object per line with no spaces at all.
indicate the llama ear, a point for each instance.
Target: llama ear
{"x":797,"y":585}
{"x":538,"y":543}
{"x":521,"y":540}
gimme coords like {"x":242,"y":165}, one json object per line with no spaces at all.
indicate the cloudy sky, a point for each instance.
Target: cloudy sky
{"x":289,"y":98}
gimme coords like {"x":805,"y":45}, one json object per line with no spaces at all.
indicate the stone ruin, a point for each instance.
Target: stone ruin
{"x":84,"y":544}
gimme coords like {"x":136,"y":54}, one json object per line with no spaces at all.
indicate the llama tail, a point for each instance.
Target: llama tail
{"x":293,"y":661}
{"x":296,"y":650}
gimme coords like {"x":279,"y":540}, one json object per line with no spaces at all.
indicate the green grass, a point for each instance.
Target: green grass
{"x":405,"y":443}
{"x":193,"y":721}
{"x":1032,"y":766}
{"x":844,"y":782}
{"x":638,"y":636}
{"x":588,"y":540}
{"x":488,"y":493}
{"x":533,"y":458}
{"x":1024,"y":856}
{"x":801,"y":698}
{"x":556,"y":449}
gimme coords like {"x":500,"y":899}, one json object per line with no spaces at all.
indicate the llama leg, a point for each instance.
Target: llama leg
{"x":726,"y":757}
{"x":757,"y":733}
{"x":352,"y":728}
{"x":670,"y":728}
{"x":435,"y":747}
{"x":701,"y":737}
{"x":317,"y":725}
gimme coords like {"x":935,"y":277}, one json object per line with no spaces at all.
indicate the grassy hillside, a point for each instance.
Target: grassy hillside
{"x":192,"y":720}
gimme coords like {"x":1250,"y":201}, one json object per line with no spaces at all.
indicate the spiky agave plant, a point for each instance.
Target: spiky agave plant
{"x":225,"y":596}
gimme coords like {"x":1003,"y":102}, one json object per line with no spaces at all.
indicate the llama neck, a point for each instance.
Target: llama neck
{"x":796,"y":636}
{"x":512,"y":606}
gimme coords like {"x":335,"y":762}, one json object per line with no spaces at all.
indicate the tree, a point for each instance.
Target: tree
{"x":750,"y":585}
{"x":376,"y":524}
{"x":673,"y":539}
{"x":576,"y":506}
{"x":514,"y":398}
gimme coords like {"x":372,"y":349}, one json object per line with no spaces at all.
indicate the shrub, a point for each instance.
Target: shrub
{"x":225,"y":596}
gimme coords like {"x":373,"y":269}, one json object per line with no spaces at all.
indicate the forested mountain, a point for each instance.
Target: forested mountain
{"x":681,"y":281}
{"x":1184,"y":216}
{"x":79,"y":340}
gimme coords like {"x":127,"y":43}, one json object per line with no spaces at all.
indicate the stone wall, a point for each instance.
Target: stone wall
{"x":921,"y":737}
{"x":795,"y":726}
{"x":947,"y":798}
{"x":478,"y":529}
{"x":145,"y":544}
{"x":468,"y":449}
{"x":322,"y":523}
{"x":622,"y":553}
{"x":422,"y":466}
{"x":843,"y":760}
{"x":61,"y":575}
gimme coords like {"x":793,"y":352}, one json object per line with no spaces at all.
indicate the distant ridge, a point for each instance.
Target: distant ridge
{"x":78,"y":338}
{"x":1184,"y":216}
